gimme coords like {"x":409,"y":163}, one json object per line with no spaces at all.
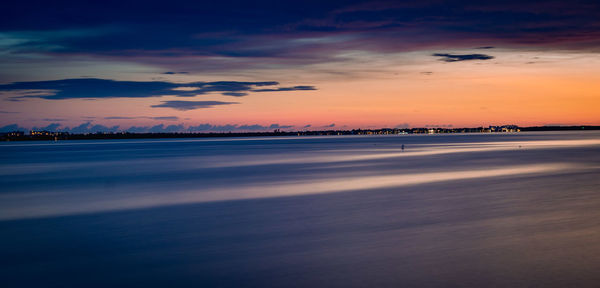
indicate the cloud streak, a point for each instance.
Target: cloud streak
{"x":175,"y":73}
{"x":93,"y":88}
{"x":295,"y":88}
{"x":190,"y":105}
{"x":462,"y":57}
{"x":168,"y":118}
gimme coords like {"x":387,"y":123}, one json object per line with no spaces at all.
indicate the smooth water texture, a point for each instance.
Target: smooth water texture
{"x":499,"y":210}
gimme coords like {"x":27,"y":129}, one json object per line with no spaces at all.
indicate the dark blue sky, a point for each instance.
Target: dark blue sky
{"x":256,"y":28}
{"x":65,"y":51}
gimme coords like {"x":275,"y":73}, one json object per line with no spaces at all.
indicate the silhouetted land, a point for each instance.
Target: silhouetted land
{"x":51,"y":135}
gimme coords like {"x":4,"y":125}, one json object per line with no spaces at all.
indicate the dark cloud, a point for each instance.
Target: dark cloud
{"x":235,"y":94}
{"x":329,"y":126}
{"x":174,"y":73}
{"x":206,"y":127}
{"x":264,"y":33}
{"x":307,"y":126}
{"x":49,"y":127}
{"x":190,"y":105}
{"x":119,"y":118}
{"x":8,"y":112}
{"x":12,"y":127}
{"x":54,"y":119}
{"x":88,"y":127}
{"x":277,"y":126}
{"x":161,"y":128}
{"x":254,"y":127}
{"x":462,"y":57}
{"x":486,"y":47}
{"x":92,"y":88}
{"x":295,"y":88}
{"x":168,"y":118}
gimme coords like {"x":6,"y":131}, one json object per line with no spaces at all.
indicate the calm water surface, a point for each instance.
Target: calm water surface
{"x":480,"y":210}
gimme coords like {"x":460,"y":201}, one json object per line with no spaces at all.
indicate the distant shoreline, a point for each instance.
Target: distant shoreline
{"x":51,"y":135}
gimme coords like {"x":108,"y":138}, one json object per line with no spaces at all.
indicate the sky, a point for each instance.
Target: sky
{"x":210,"y":66}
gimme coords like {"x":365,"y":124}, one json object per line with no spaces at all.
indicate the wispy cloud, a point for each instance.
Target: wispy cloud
{"x":462,"y":57}
{"x":174,"y":73}
{"x":190,"y":105}
{"x":168,"y":118}
{"x":235,"y":94}
{"x":93,"y":88}
{"x":203,"y":38}
{"x":295,"y":88}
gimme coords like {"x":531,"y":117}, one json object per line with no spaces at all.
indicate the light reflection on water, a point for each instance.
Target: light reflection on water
{"x":476,"y":210}
{"x":81,"y":201}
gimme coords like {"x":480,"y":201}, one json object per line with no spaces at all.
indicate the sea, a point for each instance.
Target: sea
{"x":440,"y":210}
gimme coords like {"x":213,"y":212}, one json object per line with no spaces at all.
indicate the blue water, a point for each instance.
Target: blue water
{"x":503,"y":210}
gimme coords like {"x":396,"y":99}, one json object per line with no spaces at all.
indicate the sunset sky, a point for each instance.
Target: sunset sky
{"x":154,"y":66}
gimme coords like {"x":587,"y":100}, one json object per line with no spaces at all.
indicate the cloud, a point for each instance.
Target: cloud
{"x":119,"y":118}
{"x":486,"y":47}
{"x":93,"y":88}
{"x":8,"y":112}
{"x":54,"y":119}
{"x":190,"y":105}
{"x":12,"y":127}
{"x":87,"y":127}
{"x":295,"y":88}
{"x":462,"y":57}
{"x":329,"y":126}
{"x":196,"y":37}
{"x":15,"y":94}
{"x":50,"y":127}
{"x":169,"y":118}
{"x":277,"y":126}
{"x":206,"y":127}
{"x":307,"y":126}
{"x":174,"y":73}
{"x":235,"y":94}
{"x":161,"y":128}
